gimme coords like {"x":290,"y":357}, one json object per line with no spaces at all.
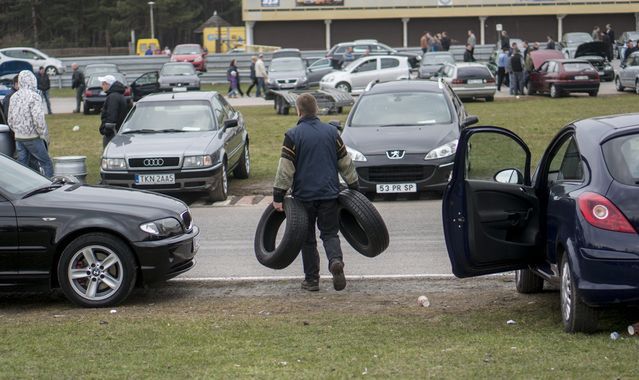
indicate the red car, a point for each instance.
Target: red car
{"x":192,"y":53}
{"x":563,"y":76}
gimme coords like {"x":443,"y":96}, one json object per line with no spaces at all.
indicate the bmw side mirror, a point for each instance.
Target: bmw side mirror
{"x":336,"y":124}
{"x":470,"y":120}
{"x":232,"y":123}
{"x":509,"y":176}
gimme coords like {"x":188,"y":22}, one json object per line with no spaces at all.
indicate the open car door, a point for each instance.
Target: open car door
{"x":145,"y":84}
{"x":490,"y":210}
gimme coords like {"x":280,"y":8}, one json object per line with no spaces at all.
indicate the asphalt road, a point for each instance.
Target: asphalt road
{"x":416,"y":248}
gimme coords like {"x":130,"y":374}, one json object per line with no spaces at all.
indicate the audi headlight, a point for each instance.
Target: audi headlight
{"x":113,"y":164}
{"x":355,"y":155}
{"x":197,"y":161}
{"x":163,"y":228}
{"x":442,"y":151}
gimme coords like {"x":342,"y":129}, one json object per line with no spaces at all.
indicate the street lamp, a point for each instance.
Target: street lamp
{"x":151,"y":3}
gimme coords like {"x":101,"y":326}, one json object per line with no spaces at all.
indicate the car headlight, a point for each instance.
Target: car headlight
{"x":329,"y":78}
{"x":443,"y":151}
{"x":163,"y":228}
{"x":355,"y":155}
{"x":113,"y":164}
{"x":197,"y":59}
{"x":197,"y":161}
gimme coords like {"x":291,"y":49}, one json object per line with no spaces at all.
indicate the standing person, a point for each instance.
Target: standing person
{"x":7,"y":98}
{"x":468,"y":54}
{"x":423,"y":42}
{"x":261,"y":75}
{"x":312,"y":156}
{"x":502,"y":62}
{"x":526,"y":49}
{"x":596,"y":34}
{"x":44,"y":84}
{"x":252,"y":76}
{"x":472,"y":41}
{"x":78,"y":84}
{"x":149,"y":51}
{"x":611,"y":37}
{"x":550,"y":43}
{"x":347,"y":58}
{"x":167,"y":51}
{"x":504,"y":39}
{"x":516,"y":69}
{"x":114,"y":110}
{"x":26,"y":120}
{"x":445,"y":41}
{"x":529,"y":64}
{"x":233,"y":67}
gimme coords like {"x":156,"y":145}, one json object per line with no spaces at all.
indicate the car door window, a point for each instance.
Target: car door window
{"x":389,"y":63}
{"x":369,"y":65}
{"x":544,"y":67}
{"x":219,"y":112}
{"x":565,"y":163}
{"x":228,"y":109}
{"x":490,"y":154}
{"x":320,"y":64}
{"x":148,"y":78}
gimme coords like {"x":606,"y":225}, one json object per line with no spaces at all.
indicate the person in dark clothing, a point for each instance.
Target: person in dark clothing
{"x":445,"y":41}
{"x":7,"y":98}
{"x":312,"y":156}
{"x":611,"y":41}
{"x":252,"y":76}
{"x":630,"y":48}
{"x":114,"y":110}
{"x":516,"y":70}
{"x":504,"y":39}
{"x":78,"y":84}
{"x":44,"y":84}
{"x":550,"y":44}
{"x":233,"y":67}
{"x":468,"y":54}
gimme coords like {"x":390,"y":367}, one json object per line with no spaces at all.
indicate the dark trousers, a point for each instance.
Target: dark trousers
{"x":324,"y":213}
{"x":501,"y":75}
{"x":253,"y":84}
{"x":45,"y":97}
{"x":78,"y":98}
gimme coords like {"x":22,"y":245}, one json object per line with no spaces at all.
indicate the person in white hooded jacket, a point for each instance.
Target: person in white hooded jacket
{"x":26,"y":120}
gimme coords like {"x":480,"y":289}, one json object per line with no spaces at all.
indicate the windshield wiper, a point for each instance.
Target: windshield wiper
{"x":140,"y":131}
{"x":43,"y":189}
{"x":171,"y":130}
{"x":398,"y":125}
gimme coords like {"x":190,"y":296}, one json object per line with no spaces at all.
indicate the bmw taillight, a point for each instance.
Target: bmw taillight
{"x":602,"y":213}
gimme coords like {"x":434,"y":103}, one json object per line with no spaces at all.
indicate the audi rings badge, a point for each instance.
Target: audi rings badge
{"x":153,"y":162}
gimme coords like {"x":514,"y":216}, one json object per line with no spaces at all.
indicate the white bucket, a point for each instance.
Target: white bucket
{"x":71,"y":166}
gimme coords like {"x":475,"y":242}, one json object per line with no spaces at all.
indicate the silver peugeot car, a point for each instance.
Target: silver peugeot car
{"x":179,"y":142}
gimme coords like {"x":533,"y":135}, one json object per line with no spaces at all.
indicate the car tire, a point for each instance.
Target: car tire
{"x":527,"y":282}
{"x":618,"y":85}
{"x":343,"y":86}
{"x":76,"y":274}
{"x":51,"y":71}
{"x":576,"y":315}
{"x":593,"y":93}
{"x":361,"y":224}
{"x":554,"y":91}
{"x":85,"y":108}
{"x":282,"y":255}
{"x":490,"y":98}
{"x":637,"y":87}
{"x":220,"y":191}
{"x":243,"y":168}
{"x":529,"y":91}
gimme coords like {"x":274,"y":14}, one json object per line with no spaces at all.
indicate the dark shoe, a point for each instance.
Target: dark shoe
{"x":311,"y":286}
{"x":337,"y":270}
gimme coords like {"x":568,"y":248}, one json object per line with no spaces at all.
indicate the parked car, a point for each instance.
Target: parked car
{"x":470,"y":80}
{"x":35,"y":57}
{"x":628,"y":75}
{"x":359,"y":73}
{"x":145,"y":84}
{"x":363,"y":48}
{"x":402,"y":136}
{"x":596,"y":53}
{"x":432,"y":62}
{"x":540,"y":56}
{"x":174,"y":75}
{"x":620,"y":44}
{"x":94,"y":97}
{"x":564,"y":76}
{"x":179,"y":142}
{"x":8,"y":70}
{"x":95,"y":243}
{"x":317,"y":69}
{"x":574,"y":224}
{"x":192,"y":53}
{"x":287,"y":53}
{"x":287,"y":73}
{"x":100,"y":68}
{"x":571,"y":41}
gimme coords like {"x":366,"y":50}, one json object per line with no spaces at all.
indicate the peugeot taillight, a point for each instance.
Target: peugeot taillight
{"x":600,"y":212}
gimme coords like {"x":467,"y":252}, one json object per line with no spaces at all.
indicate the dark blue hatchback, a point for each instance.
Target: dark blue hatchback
{"x":574,"y":224}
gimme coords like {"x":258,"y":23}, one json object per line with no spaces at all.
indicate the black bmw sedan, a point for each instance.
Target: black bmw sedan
{"x":95,"y":243}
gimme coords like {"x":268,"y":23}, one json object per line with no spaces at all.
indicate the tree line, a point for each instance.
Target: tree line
{"x":106,"y":23}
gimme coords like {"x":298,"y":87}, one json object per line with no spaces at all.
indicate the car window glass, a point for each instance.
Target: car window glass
{"x":369,"y":65}
{"x":565,"y":163}
{"x":401,"y":110}
{"x":228,"y":109}
{"x":544,"y":67}
{"x":11,"y":53}
{"x":174,"y":115}
{"x":148,"y":78}
{"x":18,"y":180}
{"x":360,"y":49}
{"x":578,"y":66}
{"x":635,"y":61}
{"x":218,"y":110}
{"x":388,"y":63}
{"x":321,"y":63}
{"x":340,"y":50}
{"x":490,"y":153}
{"x":622,"y":158}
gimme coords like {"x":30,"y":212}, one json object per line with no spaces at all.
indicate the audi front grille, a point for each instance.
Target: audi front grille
{"x":154,"y":162}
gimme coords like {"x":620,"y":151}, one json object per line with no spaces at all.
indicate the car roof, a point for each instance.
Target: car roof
{"x":198,"y":45}
{"x":177,"y":64}
{"x":172,"y":96}
{"x":405,"y":86}
{"x":468,"y":64}
{"x":604,"y":126}
{"x":100,"y":64}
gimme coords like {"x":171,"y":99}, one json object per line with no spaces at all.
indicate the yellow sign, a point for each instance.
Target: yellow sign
{"x":232,"y":37}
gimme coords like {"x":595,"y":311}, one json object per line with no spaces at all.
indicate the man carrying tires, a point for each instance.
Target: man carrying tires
{"x":312,"y":156}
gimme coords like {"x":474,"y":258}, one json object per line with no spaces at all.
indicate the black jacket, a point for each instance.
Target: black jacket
{"x":5,"y":103}
{"x":44,"y":84}
{"x":77,"y":79}
{"x":115,"y":108}
{"x":468,"y":56}
{"x":253,"y":76}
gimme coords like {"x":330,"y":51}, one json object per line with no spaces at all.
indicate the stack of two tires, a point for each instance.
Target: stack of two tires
{"x":360,"y":224}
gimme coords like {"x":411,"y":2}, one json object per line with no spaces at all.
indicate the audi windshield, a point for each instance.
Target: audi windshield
{"x":173,"y":116}
{"x":401,"y":109}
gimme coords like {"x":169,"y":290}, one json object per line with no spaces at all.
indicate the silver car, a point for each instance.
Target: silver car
{"x":180,"y":142}
{"x":178,"y":75}
{"x":470,"y":80}
{"x":287,"y":73}
{"x":359,"y":73}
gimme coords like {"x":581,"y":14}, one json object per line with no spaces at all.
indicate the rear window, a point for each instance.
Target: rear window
{"x":622,"y":158}
{"x":401,"y":109}
{"x":473,"y":73}
{"x":578,"y":66}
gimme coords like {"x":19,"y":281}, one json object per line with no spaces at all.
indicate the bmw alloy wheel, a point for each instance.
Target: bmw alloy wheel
{"x":95,"y":272}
